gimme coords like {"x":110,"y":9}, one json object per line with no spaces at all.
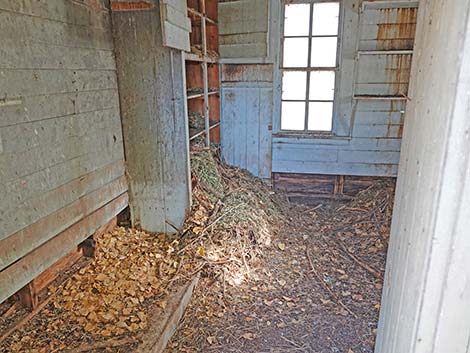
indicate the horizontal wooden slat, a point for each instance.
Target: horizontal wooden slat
{"x":359,"y":169}
{"x":40,"y":30}
{"x":23,"y":271}
{"x":388,"y":131}
{"x":62,"y":173}
{"x":99,"y":147}
{"x":40,"y":82}
{"x":249,"y":50}
{"x":19,"y":244}
{"x":33,"y":55}
{"x":30,"y":109}
{"x":384,"y":118}
{"x":50,"y":132}
{"x":372,"y":157}
{"x":305,"y":153}
{"x":244,"y":38}
{"x":18,"y":212}
{"x":80,"y":13}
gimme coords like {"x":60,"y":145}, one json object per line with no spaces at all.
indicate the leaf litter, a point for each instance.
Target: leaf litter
{"x":257,"y":291}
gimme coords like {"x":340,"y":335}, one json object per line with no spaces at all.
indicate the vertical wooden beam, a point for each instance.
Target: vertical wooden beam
{"x":150,"y":78}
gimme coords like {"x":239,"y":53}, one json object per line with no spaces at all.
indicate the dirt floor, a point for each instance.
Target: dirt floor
{"x":275,"y":276}
{"x":290,"y":303}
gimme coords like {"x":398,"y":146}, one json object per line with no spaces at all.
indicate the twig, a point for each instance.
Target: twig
{"x":206,"y":228}
{"x":296,"y":345}
{"x":365,"y":266}
{"x":28,"y":317}
{"x":327,"y":287}
{"x":10,"y":311}
{"x":172,"y":226}
{"x":106,"y":344}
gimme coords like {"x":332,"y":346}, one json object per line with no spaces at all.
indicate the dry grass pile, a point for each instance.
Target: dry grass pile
{"x":233,"y":219}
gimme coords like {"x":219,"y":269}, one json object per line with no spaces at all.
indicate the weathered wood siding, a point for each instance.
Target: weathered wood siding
{"x":243,"y":31}
{"x":155,"y":127}
{"x":176,"y":25}
{"x":426,"y":295}
{"x":367,"y":132}
{"x":246,"y":101}
{"x":61,"y":150}
{"x":372,"y":145}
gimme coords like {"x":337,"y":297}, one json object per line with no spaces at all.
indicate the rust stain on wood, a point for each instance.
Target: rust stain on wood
{"x":397,"y":33}
{"x":131,"y":6}
{"x":398,"y":69}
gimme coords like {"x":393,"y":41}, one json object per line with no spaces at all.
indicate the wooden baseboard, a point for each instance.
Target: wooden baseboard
{"x":322,"y":186}
{"x":29,"y":295}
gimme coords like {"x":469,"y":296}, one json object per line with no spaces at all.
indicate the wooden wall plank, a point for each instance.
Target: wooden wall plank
{"x":51,"y":202}
{"x":46,"y":56}
{"x":264,"y":131}
{"x":154,"y":120}
{"x":87,"y":13}
{"x":244,"y":28}
{"x":23,"y":271}
{"x":55,"y":81}
{"x":252,"y":132}
{"x":19,"y":244}
{"x":61,"y":144}
{"x":176,"y":25}
{"x":36,"y":108}
{"x":43,"y":30}
{"x":359,"y":169}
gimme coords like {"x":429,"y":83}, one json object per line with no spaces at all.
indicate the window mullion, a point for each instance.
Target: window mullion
{"x":310,"y":31}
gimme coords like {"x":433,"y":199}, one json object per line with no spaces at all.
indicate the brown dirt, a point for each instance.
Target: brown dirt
{"x":282,"y":306}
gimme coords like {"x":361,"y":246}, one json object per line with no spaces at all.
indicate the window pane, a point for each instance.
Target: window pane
{"x":320,"y":116}
{"x":322,"y":85}
{"x":293,"y":116}
{"x":324,"y":52}
{"x":325,"y":18}
{"x":295,"y":52}
{"x":294,"y":85}
{"x":297,"y":19}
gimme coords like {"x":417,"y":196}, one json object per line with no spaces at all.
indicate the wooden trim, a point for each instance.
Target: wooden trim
{"x":131,"y":5}
{"x":29,"y":238}
{"x":37,"y":261}
{"x":322,"y":185}
{"x":29,"y":294}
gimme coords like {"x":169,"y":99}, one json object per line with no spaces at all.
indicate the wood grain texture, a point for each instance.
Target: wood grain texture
{"x":244,"y":28}
{"x":30,"y":266}
{"x":61,"y":144}
{"x":426,"y":296}
{"x":154,"y":121}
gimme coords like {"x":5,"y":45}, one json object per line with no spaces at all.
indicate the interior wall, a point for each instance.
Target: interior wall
{"x":61,"y":149}
{"x":374,"y":65}
{"x":376,"y":57}
{"x":426,"y":298}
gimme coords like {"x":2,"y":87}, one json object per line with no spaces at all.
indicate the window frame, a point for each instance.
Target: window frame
{"x":309,"y":69}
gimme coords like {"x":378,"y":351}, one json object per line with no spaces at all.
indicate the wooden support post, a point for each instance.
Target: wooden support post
{"x":153,"y":120}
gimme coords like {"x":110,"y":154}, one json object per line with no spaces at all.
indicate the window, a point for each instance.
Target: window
{"x":309,"y":65}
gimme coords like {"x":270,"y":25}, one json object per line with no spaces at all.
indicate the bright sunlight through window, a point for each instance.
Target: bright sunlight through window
{"x":309,"y":65}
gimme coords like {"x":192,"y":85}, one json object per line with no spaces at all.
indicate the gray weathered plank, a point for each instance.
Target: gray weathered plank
{"x":23,"y":271}
{"x":40,"y":82}
{"x":19,"y":244}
